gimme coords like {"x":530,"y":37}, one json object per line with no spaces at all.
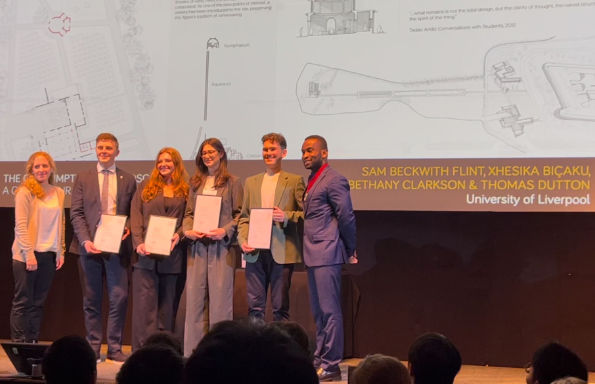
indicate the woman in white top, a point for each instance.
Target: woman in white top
{"x":38,"y":248}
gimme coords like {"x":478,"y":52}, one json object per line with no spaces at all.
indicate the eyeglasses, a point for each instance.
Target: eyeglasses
{"x":208,"y":153}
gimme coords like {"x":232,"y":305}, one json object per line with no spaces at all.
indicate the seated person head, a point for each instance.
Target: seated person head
{"x":296,"y":332}
{"x":249,"y":352}
{"x":554,"y":361}
{"x":165,"y":338}
{"x":70,"y":359}
{"x":381,"y":369}
{"x":152,"y":364}
{"x":433,"y":359}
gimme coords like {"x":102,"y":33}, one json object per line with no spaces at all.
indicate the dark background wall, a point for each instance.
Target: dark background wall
{"x":498,"y":284}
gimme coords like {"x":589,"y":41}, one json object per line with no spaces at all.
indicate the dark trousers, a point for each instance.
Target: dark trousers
{"x":325,"y":300}
{"x":116,"y":273}
{"x":153,"y":304}
{"x":260,"y":275}
{"x":30,"y":291}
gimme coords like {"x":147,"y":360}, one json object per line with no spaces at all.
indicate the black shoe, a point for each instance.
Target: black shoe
{"x":117,"y":357}
{"x":324,"y":375}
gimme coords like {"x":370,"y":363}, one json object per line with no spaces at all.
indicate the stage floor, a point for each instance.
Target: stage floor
{"x":470,"y":374}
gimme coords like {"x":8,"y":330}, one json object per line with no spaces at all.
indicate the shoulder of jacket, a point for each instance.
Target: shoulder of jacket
{"x":123,"y":173}
{"x":24,"y":192}
{"x":290,"y":175}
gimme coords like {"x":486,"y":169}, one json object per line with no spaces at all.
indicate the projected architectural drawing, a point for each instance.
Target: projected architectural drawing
{"x":69,"y":82}
{"x":508,"y":91}
{"x":335,"y":17}
{"x":574,"y":86}
{"x":439,"y":84}
{"x":56,"y":126}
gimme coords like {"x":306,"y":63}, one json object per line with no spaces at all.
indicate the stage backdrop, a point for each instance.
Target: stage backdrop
{"x":443,"y":185}
{"x":498,"y":284}
{"x":475,"y":105}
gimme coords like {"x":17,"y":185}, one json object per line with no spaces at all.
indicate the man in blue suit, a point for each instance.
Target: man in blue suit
{"x":329,"y":242}
{"x":104,"y":189}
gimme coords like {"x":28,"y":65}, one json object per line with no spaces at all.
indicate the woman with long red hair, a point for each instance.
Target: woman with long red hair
{"x":155,"y":277}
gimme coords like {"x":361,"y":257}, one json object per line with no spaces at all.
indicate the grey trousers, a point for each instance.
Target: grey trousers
{"x":209,"y":290}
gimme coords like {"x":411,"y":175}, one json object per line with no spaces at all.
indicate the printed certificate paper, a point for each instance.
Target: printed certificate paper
{"x":159,"y":234}
{"x":206,"y":213}
{"x":261,"y":226}
{"x":109,"y":233}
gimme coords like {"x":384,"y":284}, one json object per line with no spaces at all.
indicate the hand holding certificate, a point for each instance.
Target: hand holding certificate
{"x":108,"y":236}
{"x":160,"y":232}
{"x":261,"y":227}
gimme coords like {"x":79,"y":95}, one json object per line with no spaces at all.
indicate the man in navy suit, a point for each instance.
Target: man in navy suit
{"x":329,"y":242}
{"x":103,"y":189}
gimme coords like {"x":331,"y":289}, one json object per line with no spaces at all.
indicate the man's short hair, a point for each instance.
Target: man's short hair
{"x":251,"y":353}
{"x":554,"y":361}
{"x":322,"y":140}
{"x":107,"y":136}
{"x":152,"y":364}
{"x":70,"y":359}
{"x":380,"y":369}
{"x":434,"y":359}
{"x":275,"y":138}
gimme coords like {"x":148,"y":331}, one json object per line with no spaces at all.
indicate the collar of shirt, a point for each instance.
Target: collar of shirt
{"x":111,"y":169}
{"x":314,"y":176}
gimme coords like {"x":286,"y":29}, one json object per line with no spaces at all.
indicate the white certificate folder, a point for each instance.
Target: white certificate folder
{"x":206,"y":213}
{"x":108,"y":236}
{"x":160,"y":231}
{"x":261,"y":227}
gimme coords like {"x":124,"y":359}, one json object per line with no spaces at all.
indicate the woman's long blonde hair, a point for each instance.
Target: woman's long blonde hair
{"x":178,"y":177}
{"x":29,"y":182}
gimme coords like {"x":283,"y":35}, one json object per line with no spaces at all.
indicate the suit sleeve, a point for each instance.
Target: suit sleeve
{"x":244,"y":219}
{"x":131,"y":190}
{"x":77,"y":212}
{"x":340,"y":200}
{"x":137,"y":219}
{"x":188,"y":221}
{"x":236,"y":195}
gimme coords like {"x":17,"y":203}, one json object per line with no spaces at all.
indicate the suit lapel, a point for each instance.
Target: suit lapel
{"x":257,"y":195}
{"x":280,"y":188}
{"x":119,"y":187}
{"x":160,"y":204}
{"x":318,"y":182}
{"x":95,"y":181}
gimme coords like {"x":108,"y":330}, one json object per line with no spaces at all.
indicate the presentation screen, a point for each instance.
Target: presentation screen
{"x":425,"y":104}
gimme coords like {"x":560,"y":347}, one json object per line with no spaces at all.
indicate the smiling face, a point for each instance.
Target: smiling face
{"x":41,"y":169}
{"x":313,"y":155}
{"x":166,"y":166}
{"x":211,"y":158}
{"x":272,"y":154}
{"x":107,"y":151}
